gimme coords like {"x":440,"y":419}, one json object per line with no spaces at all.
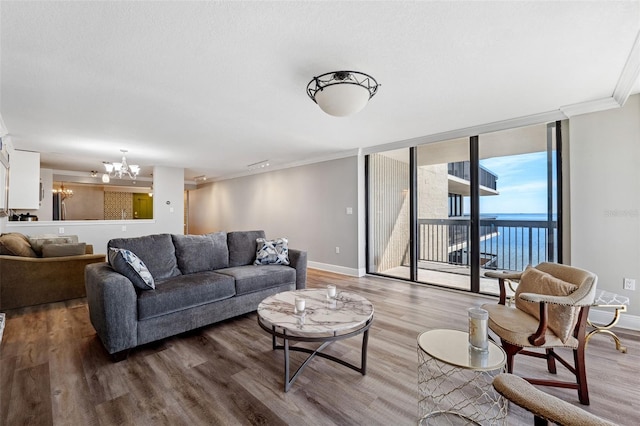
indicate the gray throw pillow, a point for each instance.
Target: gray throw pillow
{"x":272,"y":252}
{"x":38,"y":241}
{"x":59,"y":250}
{"x":129,"y":265}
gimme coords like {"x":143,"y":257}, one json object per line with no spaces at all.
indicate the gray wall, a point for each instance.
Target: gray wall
{"x":306,"y":204}
{"x":605,"y":198}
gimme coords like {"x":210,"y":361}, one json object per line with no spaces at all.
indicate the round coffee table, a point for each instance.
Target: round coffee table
{"x":455,"y":381}
{"x":324,"y":320}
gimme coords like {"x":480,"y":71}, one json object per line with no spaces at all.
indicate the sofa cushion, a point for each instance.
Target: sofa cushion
{"x":156,"y":251}
{"x":183,"y":292}
{"x":272,"y":252}
{"x":198,"y":253}
{"x":38,"y":241}
{"x":242,"y":247}
{"x":128,"y":264}
{"x":252,"y":278}
{"x":16,"y":244}
{"x":59,"y":250}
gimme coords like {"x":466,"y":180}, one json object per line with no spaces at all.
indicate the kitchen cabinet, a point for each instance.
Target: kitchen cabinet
{"x":24,"y":180}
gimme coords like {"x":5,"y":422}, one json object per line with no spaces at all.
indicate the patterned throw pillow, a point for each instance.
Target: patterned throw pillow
{"x":272,"y":252}
{"x":130,"y":265}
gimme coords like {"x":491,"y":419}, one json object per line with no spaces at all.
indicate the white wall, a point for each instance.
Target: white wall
{"x":168,"y":199}
{"x":306,"y":204}
{"x":605,"y":198}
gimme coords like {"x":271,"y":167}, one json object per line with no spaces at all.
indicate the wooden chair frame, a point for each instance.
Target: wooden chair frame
{"x":538,"y":338}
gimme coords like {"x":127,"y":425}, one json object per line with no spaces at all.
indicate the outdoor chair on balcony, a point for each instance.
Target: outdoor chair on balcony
{"x":551,"y":308}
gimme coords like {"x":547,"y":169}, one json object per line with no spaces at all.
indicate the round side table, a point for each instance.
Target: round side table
{"x":455,"y":381}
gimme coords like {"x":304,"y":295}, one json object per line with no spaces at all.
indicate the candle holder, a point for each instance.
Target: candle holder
{"x":331,"y":291}
{"x":478,"y":329}
{"x":300,"y":305}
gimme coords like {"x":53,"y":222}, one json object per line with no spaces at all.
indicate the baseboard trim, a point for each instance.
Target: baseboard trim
{"x":354,"y":272}
{"x":601,"y":316}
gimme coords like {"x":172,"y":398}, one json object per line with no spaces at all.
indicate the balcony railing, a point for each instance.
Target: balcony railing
{"x":462,"y":169}
{"x":504,"y":244}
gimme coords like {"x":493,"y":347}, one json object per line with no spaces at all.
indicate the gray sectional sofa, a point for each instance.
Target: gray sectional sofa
{"x":199,"y":280}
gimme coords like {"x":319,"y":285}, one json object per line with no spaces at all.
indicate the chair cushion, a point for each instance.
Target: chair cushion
{"x":561,"y":319}
{"x":515,"y":326}
{"x":252,"y":278}
{"x":156,"y":251}
{"x":183,"y":292}
{"x":198,"y":253}
{"x":242,"y":247}
{"x":16,"y":244}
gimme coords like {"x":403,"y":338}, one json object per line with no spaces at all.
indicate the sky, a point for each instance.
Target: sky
{"x":522,"y":184}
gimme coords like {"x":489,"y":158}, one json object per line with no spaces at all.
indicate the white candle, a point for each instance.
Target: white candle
{"x":478,"y":330}
{"x":331,"y":291}
{"x":300,"y":303}
{"x":478,"y":358}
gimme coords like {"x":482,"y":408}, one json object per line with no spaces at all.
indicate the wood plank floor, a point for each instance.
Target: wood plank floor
{"x":54,"y":370}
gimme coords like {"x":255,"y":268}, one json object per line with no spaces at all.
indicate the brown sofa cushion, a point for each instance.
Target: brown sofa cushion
{"x":59,"y":250}
{"x":562,"y":319}
{"x":16,"y":244}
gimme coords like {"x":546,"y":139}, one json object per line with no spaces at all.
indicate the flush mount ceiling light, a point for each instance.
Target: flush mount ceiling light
{"x":342,"y":93}
{"x":120,"y":169}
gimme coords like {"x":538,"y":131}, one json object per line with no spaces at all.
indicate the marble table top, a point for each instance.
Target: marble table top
{"x":322,"y":315}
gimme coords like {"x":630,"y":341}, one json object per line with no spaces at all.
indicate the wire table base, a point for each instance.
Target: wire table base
{"x":453,"y":395}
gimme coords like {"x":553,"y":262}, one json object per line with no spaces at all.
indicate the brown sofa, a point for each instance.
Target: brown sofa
{"x":27,"y":281}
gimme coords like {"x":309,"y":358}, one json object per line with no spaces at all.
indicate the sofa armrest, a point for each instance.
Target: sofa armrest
{"x":298,"y":260}
{"x":28,"y":281}
{"x":113,"y":307}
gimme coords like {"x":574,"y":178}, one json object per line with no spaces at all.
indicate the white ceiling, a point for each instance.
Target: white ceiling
{"x":215,"y":86}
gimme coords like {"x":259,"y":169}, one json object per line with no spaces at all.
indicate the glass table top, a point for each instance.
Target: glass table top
{"x":452,"y":347}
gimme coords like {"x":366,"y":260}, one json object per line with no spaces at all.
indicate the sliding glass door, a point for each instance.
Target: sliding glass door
{"x":444,"y":213}
{"x":388,"y":213}
{"x":518,"y":223}
{"x":443,"y":238}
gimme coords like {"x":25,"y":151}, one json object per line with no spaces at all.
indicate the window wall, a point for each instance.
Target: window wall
{"x":444,"y":213}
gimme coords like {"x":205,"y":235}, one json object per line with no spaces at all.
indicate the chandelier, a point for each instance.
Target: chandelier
{"x":342,"y":93}
{"x":120,"y":169}
{"x":64,"y":192}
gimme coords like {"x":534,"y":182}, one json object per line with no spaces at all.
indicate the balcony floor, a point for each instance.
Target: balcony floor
{"x":447,"y":275}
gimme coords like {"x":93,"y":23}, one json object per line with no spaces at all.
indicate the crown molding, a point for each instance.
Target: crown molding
{"x":496,"y":126}
{"x":624,"y":87}
{"x":629,"y":75}
{"x":329,"y":157}
{"x":590,"y":106}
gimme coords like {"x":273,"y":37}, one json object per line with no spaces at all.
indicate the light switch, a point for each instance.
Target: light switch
{"x":349,"y":210}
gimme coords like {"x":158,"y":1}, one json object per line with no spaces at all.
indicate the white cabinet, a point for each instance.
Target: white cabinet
{"x":24,"y":180}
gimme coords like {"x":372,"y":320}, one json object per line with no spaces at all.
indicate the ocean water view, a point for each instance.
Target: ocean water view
{"x":510,"y":241}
